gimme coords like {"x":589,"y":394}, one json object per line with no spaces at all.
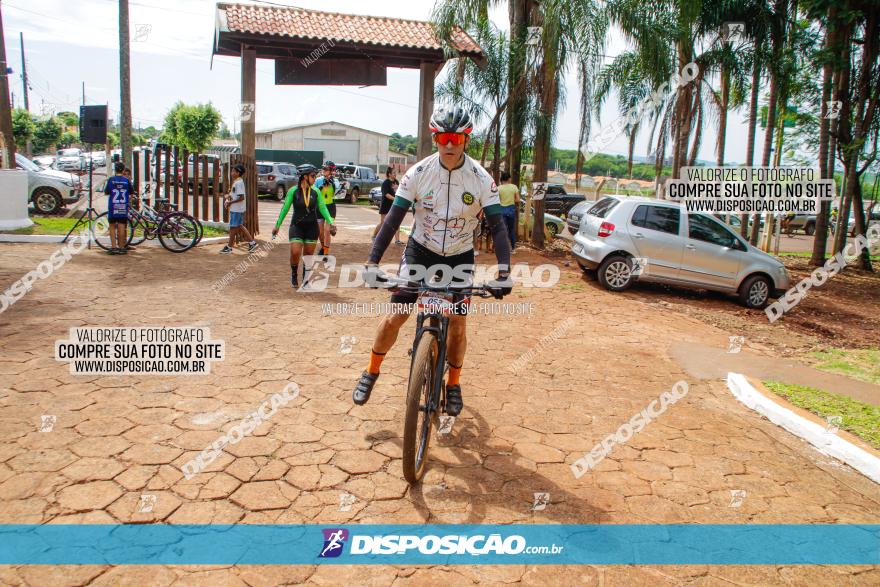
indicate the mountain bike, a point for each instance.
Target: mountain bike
{"x":177,"y":231}
{"x":426,"y":388}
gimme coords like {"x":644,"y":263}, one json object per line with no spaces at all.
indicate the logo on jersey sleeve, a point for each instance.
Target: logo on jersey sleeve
{"x":467,"y":198}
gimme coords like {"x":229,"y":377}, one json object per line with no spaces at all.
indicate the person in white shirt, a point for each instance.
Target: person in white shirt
{"x":236,"y":202}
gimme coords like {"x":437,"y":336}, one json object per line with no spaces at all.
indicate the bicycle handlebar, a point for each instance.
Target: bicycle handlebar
{"x":398,"y":284}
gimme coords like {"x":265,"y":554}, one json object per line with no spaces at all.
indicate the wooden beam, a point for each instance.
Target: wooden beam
{"x":426,"y":107}
{"x":248,"y":135}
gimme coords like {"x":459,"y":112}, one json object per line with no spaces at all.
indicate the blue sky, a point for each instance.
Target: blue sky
{"x":75,"y":41}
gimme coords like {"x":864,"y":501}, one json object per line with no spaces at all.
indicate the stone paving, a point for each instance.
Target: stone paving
{"x":117,"y":438}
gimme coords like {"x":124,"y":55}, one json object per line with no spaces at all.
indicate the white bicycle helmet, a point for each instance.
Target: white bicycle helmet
{"x":451,"y":120}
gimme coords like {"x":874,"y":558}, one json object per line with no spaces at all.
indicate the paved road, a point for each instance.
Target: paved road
{"x":117,"y":438}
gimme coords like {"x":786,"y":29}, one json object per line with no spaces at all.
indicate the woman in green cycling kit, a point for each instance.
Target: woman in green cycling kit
{"x":303,"y":233}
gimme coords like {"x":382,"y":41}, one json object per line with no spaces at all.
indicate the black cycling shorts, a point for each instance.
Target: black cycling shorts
{"x":385,"y":205}
{"x":415,"y":254}
{"x":331,"y":208}
{"x":303,"y":232}
{"x":117,"y":219}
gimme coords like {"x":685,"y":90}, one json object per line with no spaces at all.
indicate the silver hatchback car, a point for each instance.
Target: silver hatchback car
{"x":632,"y":238}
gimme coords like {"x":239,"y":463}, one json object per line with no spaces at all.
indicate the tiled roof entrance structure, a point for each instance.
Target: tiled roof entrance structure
{"x":312,"y":47}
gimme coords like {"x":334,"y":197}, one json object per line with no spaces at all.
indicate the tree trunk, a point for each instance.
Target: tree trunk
{"x":496,"y":155}
{"x":519,"y":15}
{"x":722,"y":117}
{"x":820,"y":237}
{"x":124,"y":84}
{"x":698,"y":131}
{"x":750,"y":146}
{"x":776,"y":38}
{"x":843,"y":135}
{"x":633,"y":132}
{"x":547,"y":92}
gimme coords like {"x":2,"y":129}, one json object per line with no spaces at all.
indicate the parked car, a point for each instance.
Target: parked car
{"x":558,"y":202}
{"x":189,"y":168}
{"x":872,"y":219}
{"x":275,"y":178}
{"x":49,"y":189}
{"x":44,"y":161}
{"x":376,"y":196}
{"x":693,"y":250}
{"x":553,"y":224}
{"x":736,"y":222}
{"x":69,"y":160}
{"x":98,"y":158}
{"x":356,"y":181}
{"x":805,"y":222}
{"x":576,"y":213}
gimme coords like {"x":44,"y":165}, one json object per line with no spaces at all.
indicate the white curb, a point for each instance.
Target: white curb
{"x":826,"y":442}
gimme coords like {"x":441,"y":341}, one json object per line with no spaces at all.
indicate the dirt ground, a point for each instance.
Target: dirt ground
{"x":842,"y":313}
{"x":117,"y":438}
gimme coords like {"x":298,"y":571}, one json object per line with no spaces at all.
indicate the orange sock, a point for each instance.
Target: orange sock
{"x":454,"y":374}
{"x":375,"y":362}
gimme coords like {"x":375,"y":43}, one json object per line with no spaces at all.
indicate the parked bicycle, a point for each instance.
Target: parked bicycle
{"x":177,"y":231}
{"x":426,"y":388}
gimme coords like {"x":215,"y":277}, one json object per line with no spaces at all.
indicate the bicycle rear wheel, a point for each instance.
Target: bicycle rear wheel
{"x":178,"y":232}
{"x":420,"y":409}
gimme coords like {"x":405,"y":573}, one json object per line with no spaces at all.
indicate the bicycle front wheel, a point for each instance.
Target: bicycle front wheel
{"x":178,"y":232}
{"x":101,"y":237}
{"x":420,"y":408}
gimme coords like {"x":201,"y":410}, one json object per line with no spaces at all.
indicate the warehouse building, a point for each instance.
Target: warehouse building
{"x":341,"y":143}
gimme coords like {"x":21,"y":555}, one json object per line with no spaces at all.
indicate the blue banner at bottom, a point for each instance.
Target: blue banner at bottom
{"x":742,"y":544}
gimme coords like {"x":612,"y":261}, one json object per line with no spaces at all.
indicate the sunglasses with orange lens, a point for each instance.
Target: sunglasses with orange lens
{"x":444,"y":138}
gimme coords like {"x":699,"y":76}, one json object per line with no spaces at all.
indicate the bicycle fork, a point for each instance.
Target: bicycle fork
{"x":438,"y":326}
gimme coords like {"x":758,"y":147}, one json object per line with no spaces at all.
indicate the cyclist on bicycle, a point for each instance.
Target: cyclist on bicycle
{"x":303,"y":233}
{"x":448,"y":190}
{"x":328,"y":186}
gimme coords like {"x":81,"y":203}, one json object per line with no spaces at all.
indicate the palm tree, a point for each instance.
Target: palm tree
{"x":482,"y":90}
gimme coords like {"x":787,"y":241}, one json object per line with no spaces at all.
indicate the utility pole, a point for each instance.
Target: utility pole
{"x":125,"y":84}
{"x":5,"y":110}
{"x":24,"y":79}
{"x":84,"y":93}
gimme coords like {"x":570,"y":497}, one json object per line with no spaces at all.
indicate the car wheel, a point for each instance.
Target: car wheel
{"x":354,"y":195}
{"x":755,"y":292}
{"x":280,"y":193}
{"x":615,"y":273}
{"x":810,"y":229}
{"x":47,"y":200}
{"x":552,"y":229}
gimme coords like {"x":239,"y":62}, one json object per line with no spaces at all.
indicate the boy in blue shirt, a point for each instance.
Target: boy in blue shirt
{"x":119,"y":189}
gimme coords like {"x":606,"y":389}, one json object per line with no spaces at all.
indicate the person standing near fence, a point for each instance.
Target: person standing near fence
{"x":509,"y":196}
{"x":236,"y":202}
{"x":118,"y":188}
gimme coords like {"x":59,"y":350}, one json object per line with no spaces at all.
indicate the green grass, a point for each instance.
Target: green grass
{"x":48,"y":225}
{"x":856,"y":417}
{"x":861,"y":364}
{"x":60,"y":225}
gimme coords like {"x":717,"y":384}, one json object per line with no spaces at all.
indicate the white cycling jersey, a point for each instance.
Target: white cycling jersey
{"x":447,"y":202}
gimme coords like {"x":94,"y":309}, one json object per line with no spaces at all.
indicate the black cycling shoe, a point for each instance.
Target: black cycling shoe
{"x":364,"y":387}
{"x":453,"y":400}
